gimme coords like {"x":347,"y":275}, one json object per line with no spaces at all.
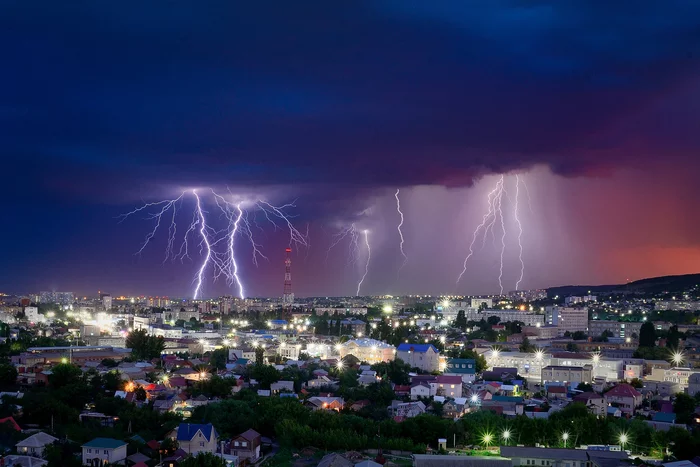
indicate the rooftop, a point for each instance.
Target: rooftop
{"x":106,"y":443}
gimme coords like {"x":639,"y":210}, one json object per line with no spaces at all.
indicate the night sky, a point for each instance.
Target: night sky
{"x":596,"y":105}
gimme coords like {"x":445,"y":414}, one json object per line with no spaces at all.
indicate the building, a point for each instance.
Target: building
{"x":567,"y":319}
{"x":573,"y":375}
{"x":617,"y":328}
{"x":694,"y":384}
{"x":35,"y":444}
{"x":505,"y":316}
{"x":106,"y":301}
{"x":247,"y":445}
{"x":425,"y":357}
{"x":449,"y":386}
{"x":368,"y":350}
{"x":557,"y":457}
{"x":573,"y":300}
{"x":624,"y":397}
{"x":593,"y":401}
{"x":676,"y":376}
{"x":101,"y":451}
{"x":195,"y":438}
{"x":462,"y":367}
{"x":541,"y":332}
{"x":433,"y":460}
{"x":62,"y":298}
{"x":406,"y":409}
{"x":477,"y":303}
{"x":289,"y":351}
{"x":360,"y":311}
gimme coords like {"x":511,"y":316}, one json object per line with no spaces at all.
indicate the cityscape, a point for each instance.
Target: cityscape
{"x":387,"y":233}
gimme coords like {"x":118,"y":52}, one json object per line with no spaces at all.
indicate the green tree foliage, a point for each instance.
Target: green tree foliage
{"x":143,"y":346}
{"x":571,"y":347}
{"x":203,"y":459}
{"x":63,"y":375}
{"x":461,"y":320}
{"x":526,"y":345}
{"x":259,"y":356}
{"x":395,"y":371}
{"x":579,"y":336}
{"x":493,"y":320}
{"x":265,"y":375}
{"x":683,"y":407}
{"x":218,"y":358}
{"x":647,"y":335}
{"x":8,"y":375}
{"x":230,"y":417}
{"x":109,"y":363}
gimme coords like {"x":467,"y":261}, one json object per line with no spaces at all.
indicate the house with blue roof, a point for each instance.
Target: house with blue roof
{"x":194,"y":438}
{"x":464,"y":367}
{"x":425,"y":357}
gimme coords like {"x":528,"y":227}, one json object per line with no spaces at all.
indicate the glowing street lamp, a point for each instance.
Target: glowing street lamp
{"x":506,"y":435}
{"x":565,"y":437}
{"x":624,"y":439}
{"x":486,"y":439}
{"x":339,"y":365}
{"x":677,"y":357}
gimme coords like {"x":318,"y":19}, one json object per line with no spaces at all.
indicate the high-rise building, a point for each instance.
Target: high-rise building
{"x":106,"y":301}
{"x":62,"y":298}
{"x":567,"y":319}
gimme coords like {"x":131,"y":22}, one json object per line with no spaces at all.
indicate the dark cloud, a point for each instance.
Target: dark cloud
{"x":363,"y":94}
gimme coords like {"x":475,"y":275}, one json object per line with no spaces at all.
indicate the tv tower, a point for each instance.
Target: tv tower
{"x":288,"y":296}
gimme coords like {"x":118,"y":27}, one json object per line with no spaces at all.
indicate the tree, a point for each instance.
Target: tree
{"x":218,"y":358}
{"x":493,"y":320}
{"x":673,"y":338}
{"x":571,"y":347}
{"x":203,"y":459}
{"x":637,"y":383}
{"x":683,"y":407}
{"x":109,"y":363}
{"x":64,"y":374}
{"x":579,"y":336}
{"x":395,"y":370}
{"x":526,"y":345}
{"x":461,"y":321}
{"x":8,"y":374}
{"x":647,"y":335}
{"x":265,"y":375}
{"x":143,"y":346}
{"x":259,"y":356}
{"x":585,"y":387}
{"x":140,"y":394}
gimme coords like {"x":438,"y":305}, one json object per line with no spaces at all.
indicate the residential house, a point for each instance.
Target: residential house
{"x":449,"y":386}
{"x":334,"y":460}
{"x":425,"y":357}
{"x":556,"y":392}
{"x":419,"y":390}
{"x":104,"y":450}
{"x":502,"y":374}
{"x":455,"y":408}
{"x":568,"y":374}
{"x":624,"y":397}
{"x":463,"y":367}
{"x":282,"y":386}
{"x":595,"y":402}
{"x":13,"y":460}
{"x":693,"y":384}
{"x":34,"y":445}
{"x":367,"y":377}
{"x":195,"y":438}
{"x":320,"y":382}
{"x":247,"y":445}
{"x":404,"y":410}
{"x":325,"y":403}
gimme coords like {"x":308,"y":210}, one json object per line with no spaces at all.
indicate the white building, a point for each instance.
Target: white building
{"x":567,"y":319}
{"x":353,"y":310}
{"x":33,"y":316}
{"x":107,"y":301}
{"x":368,"y":350}
{"x":584,"y":299}
{"x":35,"y":444}
{"x":693,"y":384}
{"x":290,"y":351}
{"x":101,"y":451}
{"x":422,"y":356}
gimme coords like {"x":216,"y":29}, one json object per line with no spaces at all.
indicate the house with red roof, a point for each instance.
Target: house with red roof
{"x":624,"y":397}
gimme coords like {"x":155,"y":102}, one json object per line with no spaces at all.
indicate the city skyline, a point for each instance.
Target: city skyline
{"x":336,"y":108}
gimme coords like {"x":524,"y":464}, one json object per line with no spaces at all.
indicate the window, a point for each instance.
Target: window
{"x":106,"y":451}
{"x":244,"y":444}
{"x":235,"y":443}
{"x":201,"y":444}
{"x":89,"y":451}
{"x":452,"y":386}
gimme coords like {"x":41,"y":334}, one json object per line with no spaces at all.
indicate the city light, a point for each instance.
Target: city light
{"x":624,"y":439}
{"x":486,"y":439}
{"x":539,"y":355}
{"x":506,"y":435}
{"x":677,"y":357}
{"x":339,"y":365}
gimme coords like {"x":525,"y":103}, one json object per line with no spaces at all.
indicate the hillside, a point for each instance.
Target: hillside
{"x":652,"y":285}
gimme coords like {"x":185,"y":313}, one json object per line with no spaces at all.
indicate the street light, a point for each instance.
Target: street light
{"x":339,"y":365}
{"x":677,"y":357}
{"x":624,"y":439}
{"x":486,"y":439}
{"x":565,"y":437}
{"x":506,"y":435}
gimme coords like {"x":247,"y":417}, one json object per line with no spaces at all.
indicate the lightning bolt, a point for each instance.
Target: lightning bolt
{"x":353,"y":247}
{"x":483,"y":226}
{"x":369,"y":257}
{"x":499,"y":211}
{"x":520,"y":232}
{"x":205,"y":238}
{"x":398,"y":209}
{"x":221,"y":262}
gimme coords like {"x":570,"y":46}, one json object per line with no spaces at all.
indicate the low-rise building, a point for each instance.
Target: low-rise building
{"x":557,"y":457}
{"x":247,"y":445}
{"x":368,"y":350}
{"x":462,"y":367}
{"x":406,"y":409}
{"x":35,"y":444}
{"x":567,"y":374}
{"x":449,"y":386}
{"x":425,"y":357}
{"x":195,"y":438}
{"x":624,"y":397}
{"x":102,"y":451}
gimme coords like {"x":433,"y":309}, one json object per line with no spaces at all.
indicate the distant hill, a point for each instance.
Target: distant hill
{"x":652,"y":285}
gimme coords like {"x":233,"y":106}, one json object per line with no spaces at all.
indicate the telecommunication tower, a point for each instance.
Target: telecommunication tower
{"x":288,"y":296}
